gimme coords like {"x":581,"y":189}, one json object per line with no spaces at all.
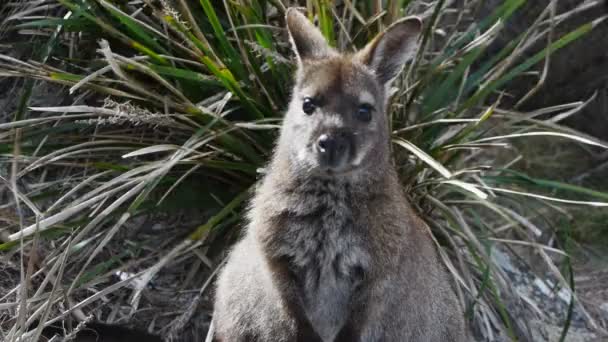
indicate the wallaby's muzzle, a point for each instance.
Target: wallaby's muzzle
{"x":334,"y":150}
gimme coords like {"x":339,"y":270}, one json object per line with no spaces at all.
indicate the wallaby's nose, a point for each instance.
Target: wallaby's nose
{"x":325,"y":143}
{"x":333,"y":149}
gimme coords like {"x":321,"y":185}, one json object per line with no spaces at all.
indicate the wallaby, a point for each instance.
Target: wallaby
{"x":333,"y":251}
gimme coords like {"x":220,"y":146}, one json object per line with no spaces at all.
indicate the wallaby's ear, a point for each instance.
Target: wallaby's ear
{"x":306,"y":40}
{"x":390,"y":50}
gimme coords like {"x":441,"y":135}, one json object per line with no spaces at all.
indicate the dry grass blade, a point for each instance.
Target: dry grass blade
{"x":468,"y":187}
{"x":424,"y":157}
{"x":536,"y":134}
{"x":67,"y":213}
{"x":548,"y":198}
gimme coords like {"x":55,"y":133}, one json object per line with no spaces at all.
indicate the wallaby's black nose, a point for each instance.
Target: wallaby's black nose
{"x":333,"y":149}
{"x":325,"y":143}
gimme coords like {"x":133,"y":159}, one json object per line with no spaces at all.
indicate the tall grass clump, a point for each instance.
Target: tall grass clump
{"x":167,"y":92}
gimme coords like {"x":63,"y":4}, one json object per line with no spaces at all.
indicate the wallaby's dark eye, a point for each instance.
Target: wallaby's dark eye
{"x":309,"y":105}
{"x":364,"y":112}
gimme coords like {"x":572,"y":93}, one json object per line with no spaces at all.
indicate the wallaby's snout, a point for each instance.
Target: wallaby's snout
{"x":334,"y":148}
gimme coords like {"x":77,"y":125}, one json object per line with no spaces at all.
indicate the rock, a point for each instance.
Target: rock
{"x":548,"y":332}
{"x":543,"y":297}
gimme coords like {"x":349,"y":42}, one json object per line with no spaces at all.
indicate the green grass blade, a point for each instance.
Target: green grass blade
{"x":217,"y":218}
{"x":134,"y":27}
{"x":538,"y":57}
{"x":233,"y":57}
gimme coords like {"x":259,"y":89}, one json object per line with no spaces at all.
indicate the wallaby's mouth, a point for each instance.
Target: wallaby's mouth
{"x":333,"y":172}
{"x":334,"y":151}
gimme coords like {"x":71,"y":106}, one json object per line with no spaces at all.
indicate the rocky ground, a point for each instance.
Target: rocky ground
{"x":551,"y":302}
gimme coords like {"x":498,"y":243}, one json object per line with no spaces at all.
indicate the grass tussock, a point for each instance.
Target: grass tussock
{"x":170,"y":96}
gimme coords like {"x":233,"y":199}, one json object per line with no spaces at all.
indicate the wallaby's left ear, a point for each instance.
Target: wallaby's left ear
{"x":307,"y":41}
{"x":390,"y":50}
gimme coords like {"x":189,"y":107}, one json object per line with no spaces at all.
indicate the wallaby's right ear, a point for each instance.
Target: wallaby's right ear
{"x":390,"y":50}
{"x":306,"y":40}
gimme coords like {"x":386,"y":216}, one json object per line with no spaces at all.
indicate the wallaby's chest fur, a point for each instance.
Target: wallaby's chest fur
{"x":320,"y":235}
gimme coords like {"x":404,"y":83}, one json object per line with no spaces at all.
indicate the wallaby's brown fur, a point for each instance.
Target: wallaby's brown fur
{"x":333,"y":251}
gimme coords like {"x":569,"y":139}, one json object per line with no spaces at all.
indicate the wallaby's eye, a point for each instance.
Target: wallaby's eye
{"x":309,"y":105}
{"x":364,"y":112}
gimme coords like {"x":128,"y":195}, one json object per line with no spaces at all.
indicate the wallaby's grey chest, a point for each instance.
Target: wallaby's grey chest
{"x":328,"y":257}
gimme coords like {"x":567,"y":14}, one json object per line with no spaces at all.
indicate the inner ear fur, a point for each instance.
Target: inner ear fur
{"x":386,"y":54}
{"x":306,"y":40}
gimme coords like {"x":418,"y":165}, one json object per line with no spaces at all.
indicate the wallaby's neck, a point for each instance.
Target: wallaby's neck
{"x":286,"y":177}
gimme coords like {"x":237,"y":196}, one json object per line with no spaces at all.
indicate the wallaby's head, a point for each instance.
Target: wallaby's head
{"x":337,"y":121}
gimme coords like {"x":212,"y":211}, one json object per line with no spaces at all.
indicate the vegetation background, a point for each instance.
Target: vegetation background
{"x":133,"y":131}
